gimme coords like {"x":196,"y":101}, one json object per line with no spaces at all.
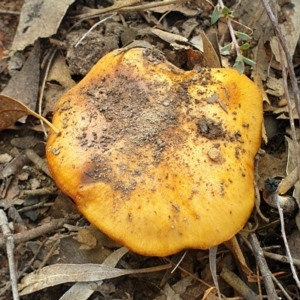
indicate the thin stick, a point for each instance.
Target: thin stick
{"x":92,"y":28}
{"x":234,"y":281}
{"x":40,"y":100}
{"x":9,"y":12}
{"x":264,"y":269}
{"x":281,"y":258}
{"x":287,"y":248}
{"x":38,"y":161}
{"x":123,"y":7}
{"x":36,"y":232}
{"x":287,"y":296}
{"x":10,"y":253}
{"x":231,"y":30}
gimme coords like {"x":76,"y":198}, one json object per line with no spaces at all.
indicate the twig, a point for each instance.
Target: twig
{"x":261,"y":261}
{"x":9,"y":12}
{"x":10,"y":253}
{"x":123,"y":7}
{"x":36,"y":232}
{"x":37,"y":192}
{"x":189,"y":273}
{"x":234,"y":281}
{"x":231,"y":30}
{"x":49,"y":254}
{"x":281,"y":258}
{"x":28,"y":265}
{"x":281,"y":288}
{"x":40,"y":100}
{"x":34,"y":206}
{"x":257,"y":193}
{"x":38,"y":161}
{"x":259,"y":284}
{"x":92,"y":28}
{"x":287,"y":248}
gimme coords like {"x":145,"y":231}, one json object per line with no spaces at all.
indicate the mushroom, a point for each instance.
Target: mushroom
{"x":158,"y":158}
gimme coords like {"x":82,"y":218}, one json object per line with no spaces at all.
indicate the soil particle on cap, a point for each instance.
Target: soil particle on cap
{"x":215,"y":155}
{"x":83,"y":57}
{"x":135,"y":119}
{"x":210,"y":129}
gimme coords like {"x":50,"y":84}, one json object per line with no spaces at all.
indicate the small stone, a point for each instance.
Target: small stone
{"x":166,"y":102}
{"x":215,"y":155}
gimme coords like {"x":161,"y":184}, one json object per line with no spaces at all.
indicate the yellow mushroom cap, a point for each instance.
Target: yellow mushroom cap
{"x":158,"y":158}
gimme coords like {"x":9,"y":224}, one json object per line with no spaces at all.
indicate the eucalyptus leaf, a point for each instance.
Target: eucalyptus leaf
{"x":248,"y":61}
{"x":226,"y":48}
{"x":239,"y":66}
{"x":245,"y":46}
{"x":242,"y":36}
{"x":215,"y":15}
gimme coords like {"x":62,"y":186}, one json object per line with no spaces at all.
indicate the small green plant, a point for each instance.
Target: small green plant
{"x":218,"y":13}
{"x":240,"y":40}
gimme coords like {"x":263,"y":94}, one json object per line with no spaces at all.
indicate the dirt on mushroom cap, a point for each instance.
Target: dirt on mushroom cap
{"x":150,"y":159}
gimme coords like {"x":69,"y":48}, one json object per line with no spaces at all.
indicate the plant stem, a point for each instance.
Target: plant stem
{"x":231,"y":30}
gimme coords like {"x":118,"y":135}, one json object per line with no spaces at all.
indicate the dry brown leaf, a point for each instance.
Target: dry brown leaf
{"x":39,"y":19}
{"x":210,"y":56}
{"x":11,"y":110}
{"x":24,"y":84}
{"x":61,"y":273}
{"x":82,"y":290}
{"x":175,"y":40}
{"x":234,"y":247}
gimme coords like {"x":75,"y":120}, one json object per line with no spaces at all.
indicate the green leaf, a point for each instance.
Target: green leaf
{"x":243,"y":36}
{"x":239,"y":66}
{"x":225,"y":11}
{"x":239,"y":58}
{"x":248,"y":61}
{"x":226,"y":48}
{"x":245,"y":46}
{"x":215,"y":15}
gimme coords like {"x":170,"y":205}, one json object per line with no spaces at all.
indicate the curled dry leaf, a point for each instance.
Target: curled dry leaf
{"x":12,"y":110}
{"x":61,"y":273}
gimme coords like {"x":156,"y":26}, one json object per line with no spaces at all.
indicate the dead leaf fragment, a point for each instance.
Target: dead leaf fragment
{"x":24,"y":85}
{"x":83,"y":290}
{"x":61,"y":273}
{"x":11,"y":110}
{"x":211,"y":57}
{"x":290,"y":28}
{"x":39,"y":19}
